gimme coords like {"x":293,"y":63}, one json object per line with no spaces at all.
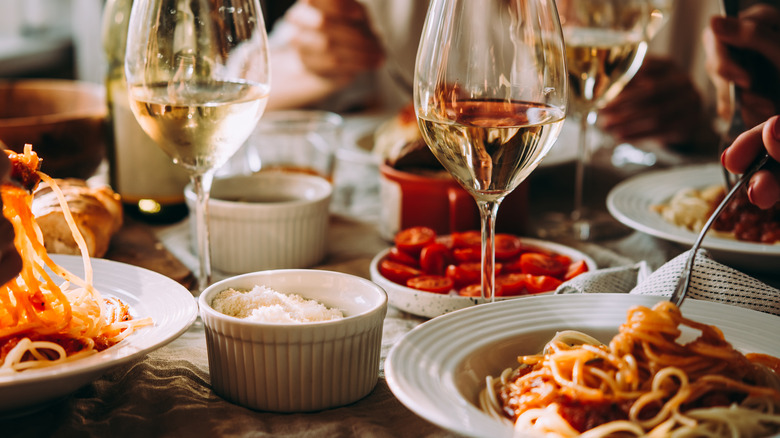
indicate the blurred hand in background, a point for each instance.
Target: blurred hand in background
{"x":659,"y":103}
{"x":756,"y":32}
{"x":328,"y":43}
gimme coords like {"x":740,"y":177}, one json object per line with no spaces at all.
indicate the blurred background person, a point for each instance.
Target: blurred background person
{"x":745,"y":51}
{"x":345,"y":55}
{"x":755,"y":69}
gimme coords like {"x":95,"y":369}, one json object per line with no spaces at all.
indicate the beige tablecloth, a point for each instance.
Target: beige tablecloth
{"x":167,"y":394}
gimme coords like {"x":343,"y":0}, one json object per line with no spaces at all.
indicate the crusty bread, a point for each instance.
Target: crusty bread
{"x":97,"y":212}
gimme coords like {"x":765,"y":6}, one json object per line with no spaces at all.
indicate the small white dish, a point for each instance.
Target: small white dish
{"x":267,"y":220}
{"x":170,"y":305}
{"x":431,"y":305}
{"x":438,"y":369}
{"x":297,"y":367}
{"x":631,"y":202}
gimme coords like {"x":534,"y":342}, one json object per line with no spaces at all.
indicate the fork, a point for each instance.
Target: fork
{"x":685,"y":277}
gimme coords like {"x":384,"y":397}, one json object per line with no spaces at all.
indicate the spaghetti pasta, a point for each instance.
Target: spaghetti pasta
{"x":645,"y":382}
{"x":43,"y":323}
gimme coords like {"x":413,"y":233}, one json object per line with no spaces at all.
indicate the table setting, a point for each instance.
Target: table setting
{"x":434,"y":306}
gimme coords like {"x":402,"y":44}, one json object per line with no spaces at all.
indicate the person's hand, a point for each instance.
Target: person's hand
{"x":10,"y":260}
{"x":757,"y":31}
{"x":764,"y":187}
{"x":660,"y":103}
{"x":334,"y":38}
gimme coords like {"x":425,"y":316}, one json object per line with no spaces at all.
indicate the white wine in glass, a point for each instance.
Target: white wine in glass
{"x":606,"y":42}
{"x":490,"y":95}
{"x":198,"y":79}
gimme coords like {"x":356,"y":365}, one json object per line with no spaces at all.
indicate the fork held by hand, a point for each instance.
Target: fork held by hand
{"x":685,"y":276}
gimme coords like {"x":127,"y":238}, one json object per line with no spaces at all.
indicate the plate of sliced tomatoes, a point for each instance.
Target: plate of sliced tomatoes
{"x":429,"y":275}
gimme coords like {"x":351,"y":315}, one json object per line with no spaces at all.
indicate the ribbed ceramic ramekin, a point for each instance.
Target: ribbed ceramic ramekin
{"x":297,"y":367}
{"x":268,"y":220}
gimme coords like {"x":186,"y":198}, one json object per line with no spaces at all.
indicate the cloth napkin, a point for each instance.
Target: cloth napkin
{"x":710,"y":281}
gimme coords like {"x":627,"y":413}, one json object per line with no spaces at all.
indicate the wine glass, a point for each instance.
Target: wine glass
{"x":198,"y":80}
{"x":606,"y":42}
{"x":490,"y":95}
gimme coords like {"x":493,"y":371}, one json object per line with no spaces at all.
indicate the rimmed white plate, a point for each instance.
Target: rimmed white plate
{"x":438,"y":369}
{"x":430,"y":305}
{"x":170,"y":305}
{"x":631,"y":201}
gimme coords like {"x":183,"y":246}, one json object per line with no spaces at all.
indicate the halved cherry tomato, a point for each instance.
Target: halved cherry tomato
{"x":535,"y":284}
{"x":399,"y":256}
{"x":464,"y":273}
{"x":397,"y":272}
{"x":475,"y":290}
{"x":535,"y":263}
{"x":507,"y":246}
{"x":512,"y":265}
{"x":470,"y":254}
{"x":575,"y":269}
{"x":412,"y":240}
{"x":434,"y":258}
{"x":468,"y":273}
{"x":467,"y":239}
{"x":512,"y":284}
{"x":564,"y":259}
{"x":431,"y":283}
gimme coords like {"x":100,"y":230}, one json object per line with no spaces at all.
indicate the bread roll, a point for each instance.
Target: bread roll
{"x":97,"y":212}
{"x":399,"y":143}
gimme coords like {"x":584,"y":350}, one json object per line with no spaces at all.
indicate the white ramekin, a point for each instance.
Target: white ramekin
{"x":297,"y":367}
{"x":287,"y":230}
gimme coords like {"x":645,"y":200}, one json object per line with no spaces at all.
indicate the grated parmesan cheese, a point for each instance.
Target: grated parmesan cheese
{"x":264,"y":304}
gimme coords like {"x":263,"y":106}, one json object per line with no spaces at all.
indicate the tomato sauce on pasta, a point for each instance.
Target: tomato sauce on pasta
{"x":643,"y":383}
{"x":43,"y":323}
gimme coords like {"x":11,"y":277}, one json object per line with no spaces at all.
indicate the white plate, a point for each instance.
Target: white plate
{"x":438,"y":369}
{"x":430,"y":305}
{"x":630,"y":202}
{"x":170,"y":305}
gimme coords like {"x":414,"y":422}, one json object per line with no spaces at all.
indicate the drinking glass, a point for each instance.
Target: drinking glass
{"x":198,"y":80}
{"x":490,"y":95}
{"x":606,"y":42}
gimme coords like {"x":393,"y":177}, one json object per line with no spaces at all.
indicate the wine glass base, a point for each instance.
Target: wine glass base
{"x":593,"y":227}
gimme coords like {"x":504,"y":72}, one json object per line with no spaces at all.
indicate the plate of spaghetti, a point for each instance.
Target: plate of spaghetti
{"x":635,"y":202}
{"x":593,"y":365}
{"x":66,"y":320}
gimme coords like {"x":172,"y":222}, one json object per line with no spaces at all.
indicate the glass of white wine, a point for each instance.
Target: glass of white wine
{"x":198,"y":79}
{"x":606,"y":42}
{"x":490,"y":95}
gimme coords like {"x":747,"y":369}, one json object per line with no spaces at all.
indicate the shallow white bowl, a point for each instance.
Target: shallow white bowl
{"x":267,"y":220}
{"x":438,"y":369}
{"x":431,"y":305}
{"x":297,"y":367}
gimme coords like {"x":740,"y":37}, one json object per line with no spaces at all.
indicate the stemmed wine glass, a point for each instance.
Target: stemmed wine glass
{"x":606,"y":42}
{"x":490,"y":95}
{"x":198,"y":78}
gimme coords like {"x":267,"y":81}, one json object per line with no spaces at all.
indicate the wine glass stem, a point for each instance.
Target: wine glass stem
{"x":201,"y":185}
{"x":583,"y":162}
{"x":488,"y":210}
